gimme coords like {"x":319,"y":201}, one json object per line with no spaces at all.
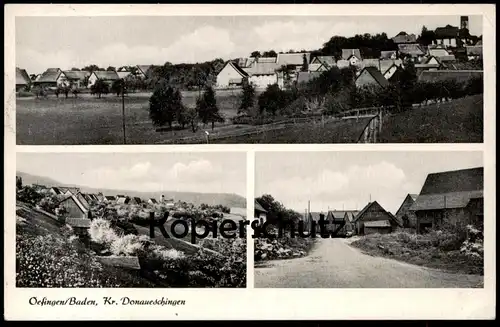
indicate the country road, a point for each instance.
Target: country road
{"x":335,"y":264}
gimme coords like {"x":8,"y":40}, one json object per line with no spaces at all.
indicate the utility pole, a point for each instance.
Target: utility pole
{"x":123,"y":111}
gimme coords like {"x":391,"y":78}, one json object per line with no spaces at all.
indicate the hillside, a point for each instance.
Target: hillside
{"x":226,"y":199}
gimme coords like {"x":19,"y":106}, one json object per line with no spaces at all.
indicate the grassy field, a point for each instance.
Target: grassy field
{"x":89,"y":120}
{"x":457,"y":121}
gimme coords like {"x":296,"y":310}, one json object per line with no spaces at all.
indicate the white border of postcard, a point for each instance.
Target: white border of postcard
{"x":250,"y":303}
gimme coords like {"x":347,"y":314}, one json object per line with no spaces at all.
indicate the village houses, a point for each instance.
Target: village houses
{"x":259,"y":212}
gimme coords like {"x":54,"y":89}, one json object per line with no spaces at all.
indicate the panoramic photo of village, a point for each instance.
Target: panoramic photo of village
{"x":250,"y":79}
{"x":87,"y":223}
{"x":391,"y":220}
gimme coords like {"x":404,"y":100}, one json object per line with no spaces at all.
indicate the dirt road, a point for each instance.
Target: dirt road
{"x":335,"y":264}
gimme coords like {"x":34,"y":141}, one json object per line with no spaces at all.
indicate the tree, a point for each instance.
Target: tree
{"x":247,"y":96}
{"x":276,"y":211}
{"x":426,"y":37}
{"x":270,"y":53}
{"x":19,"y":183}
{"x":100,"y":87}
{"x":111,"y":69}
{"x":207,"y":108}
{"x":305,"y":64}
{"x":75,"y":69}
{"x":164,"y":104}
{"x":118,"y":86}
{"x":29,"y":195}
{"x":92,"y":68}
{"x":272,"y":99}
{"x":255,"y":54}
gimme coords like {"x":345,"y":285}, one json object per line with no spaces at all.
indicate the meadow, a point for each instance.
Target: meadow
{"x":90,"y":120}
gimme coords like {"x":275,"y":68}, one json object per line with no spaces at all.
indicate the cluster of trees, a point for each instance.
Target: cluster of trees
{"x":166,"y":107}
{"x":277,"y":212}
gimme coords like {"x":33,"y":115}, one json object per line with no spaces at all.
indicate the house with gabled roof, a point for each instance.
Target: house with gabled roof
{"x":143,"y":70}
{"x":231,"y":75}
{"x":327,"y":61}
{"x":353,"y":56}
{"x":447,"y":36}
{"x":52,"y":78}
{"x":340,"y":219}
{"x":404,"y":215}
{"x":450,"y":198}
{"x":320,"y":67}
{"x":412,"y":50}
{"x":135,"y":201}
{"x":109,"y":198}
{"x":74,"y":208}
{"x":77,"y":78}
{"x":23,"y":80}
{"x":373,"y":218}
{"x":152,"y":201}
{"x":371,"y":76}
{"x":106,"y":76}
{"x":404,"y":37}
{"x":259,"y":212}
{"x":295,"y":60}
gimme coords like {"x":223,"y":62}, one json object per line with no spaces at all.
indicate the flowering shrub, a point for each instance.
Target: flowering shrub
{"x":126,"y":245}
{"x":100,"y":232}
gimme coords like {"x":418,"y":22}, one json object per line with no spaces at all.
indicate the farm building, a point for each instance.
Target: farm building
{"x":474,"y":52}
{"x":56,"y":191}
{"x":143,"y":70}
{"x":305,"y":77}
{"x":69,"y":190}
{"x":259,"y":212}
{"x":403,"y":37}
{"x":262,"y":72}
{"x":82,"y":200}
{"x":109,"y":199}
{"x":405,"y":216}
{"x":293,"y":60}
{"x":353,"y":56}
{"x":106,"y":76}
{"x":23,"y":80}
{"x":135,"y":201}
{"x":122,"y":200}
{"x":152,"y":201}
{"x":392,"y":73}
{"x":231,"y":76}
{"x":372,"y":212}
{"x":388,"y":55}
{"x":123,"y":74}
{"x":461,"y":76}
{"x":317,"y":68}
{"x":415,"y":51}
{"x":327,"y":61}
{"x":386,"y":64}
{"x":77,"y":78}
{"x":437,"y":52}
{"x":371,"y":76}
{"x":337,"y":218}
{"x":450,"y":198}
{"x":74,"y":208}
{"x":52,"y":78}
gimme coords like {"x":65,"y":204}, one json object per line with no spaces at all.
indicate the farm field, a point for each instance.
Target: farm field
{"x":90,"y":120}
{"x":457,"y":121}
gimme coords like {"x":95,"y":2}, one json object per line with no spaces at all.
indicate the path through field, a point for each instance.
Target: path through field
{"x":335,"y":264}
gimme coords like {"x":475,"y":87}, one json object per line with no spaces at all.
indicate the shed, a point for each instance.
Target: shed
{"x":259,"y":212}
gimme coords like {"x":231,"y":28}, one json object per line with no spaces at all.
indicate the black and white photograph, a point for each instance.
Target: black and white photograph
{"x":248,"y":79}
{"x":84,"y":220}
{"x":370,"y":219}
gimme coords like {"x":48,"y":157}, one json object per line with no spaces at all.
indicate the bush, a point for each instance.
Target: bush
{"x":100,"y":232}
{"x":126,"y":245}
{"x":29,"y":195}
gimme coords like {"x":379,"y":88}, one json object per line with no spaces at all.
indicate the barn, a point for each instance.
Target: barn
{"x":106,"y":76}
{"x":405,"y":216}
{"x":374,"y":212}
{"x":23,"y":80}
{"x":451,"y":198}
{"x":52,"y":78}
{"x":77,"y":78}
{"x":74,"y":208}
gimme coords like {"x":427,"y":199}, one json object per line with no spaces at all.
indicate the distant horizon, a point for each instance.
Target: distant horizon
{"x":44,"y":42}
{"x":62,"y":184}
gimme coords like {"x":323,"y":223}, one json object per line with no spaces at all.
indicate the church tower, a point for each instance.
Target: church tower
{"x":464,"y":22}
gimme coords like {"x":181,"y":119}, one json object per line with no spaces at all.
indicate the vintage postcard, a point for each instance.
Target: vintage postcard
{"x":141,"y":139}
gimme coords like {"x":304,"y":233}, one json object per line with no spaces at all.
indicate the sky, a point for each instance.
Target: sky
{"x":77,"y":41}
{"x":144,"y":172}
{"x":347,"y":180}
